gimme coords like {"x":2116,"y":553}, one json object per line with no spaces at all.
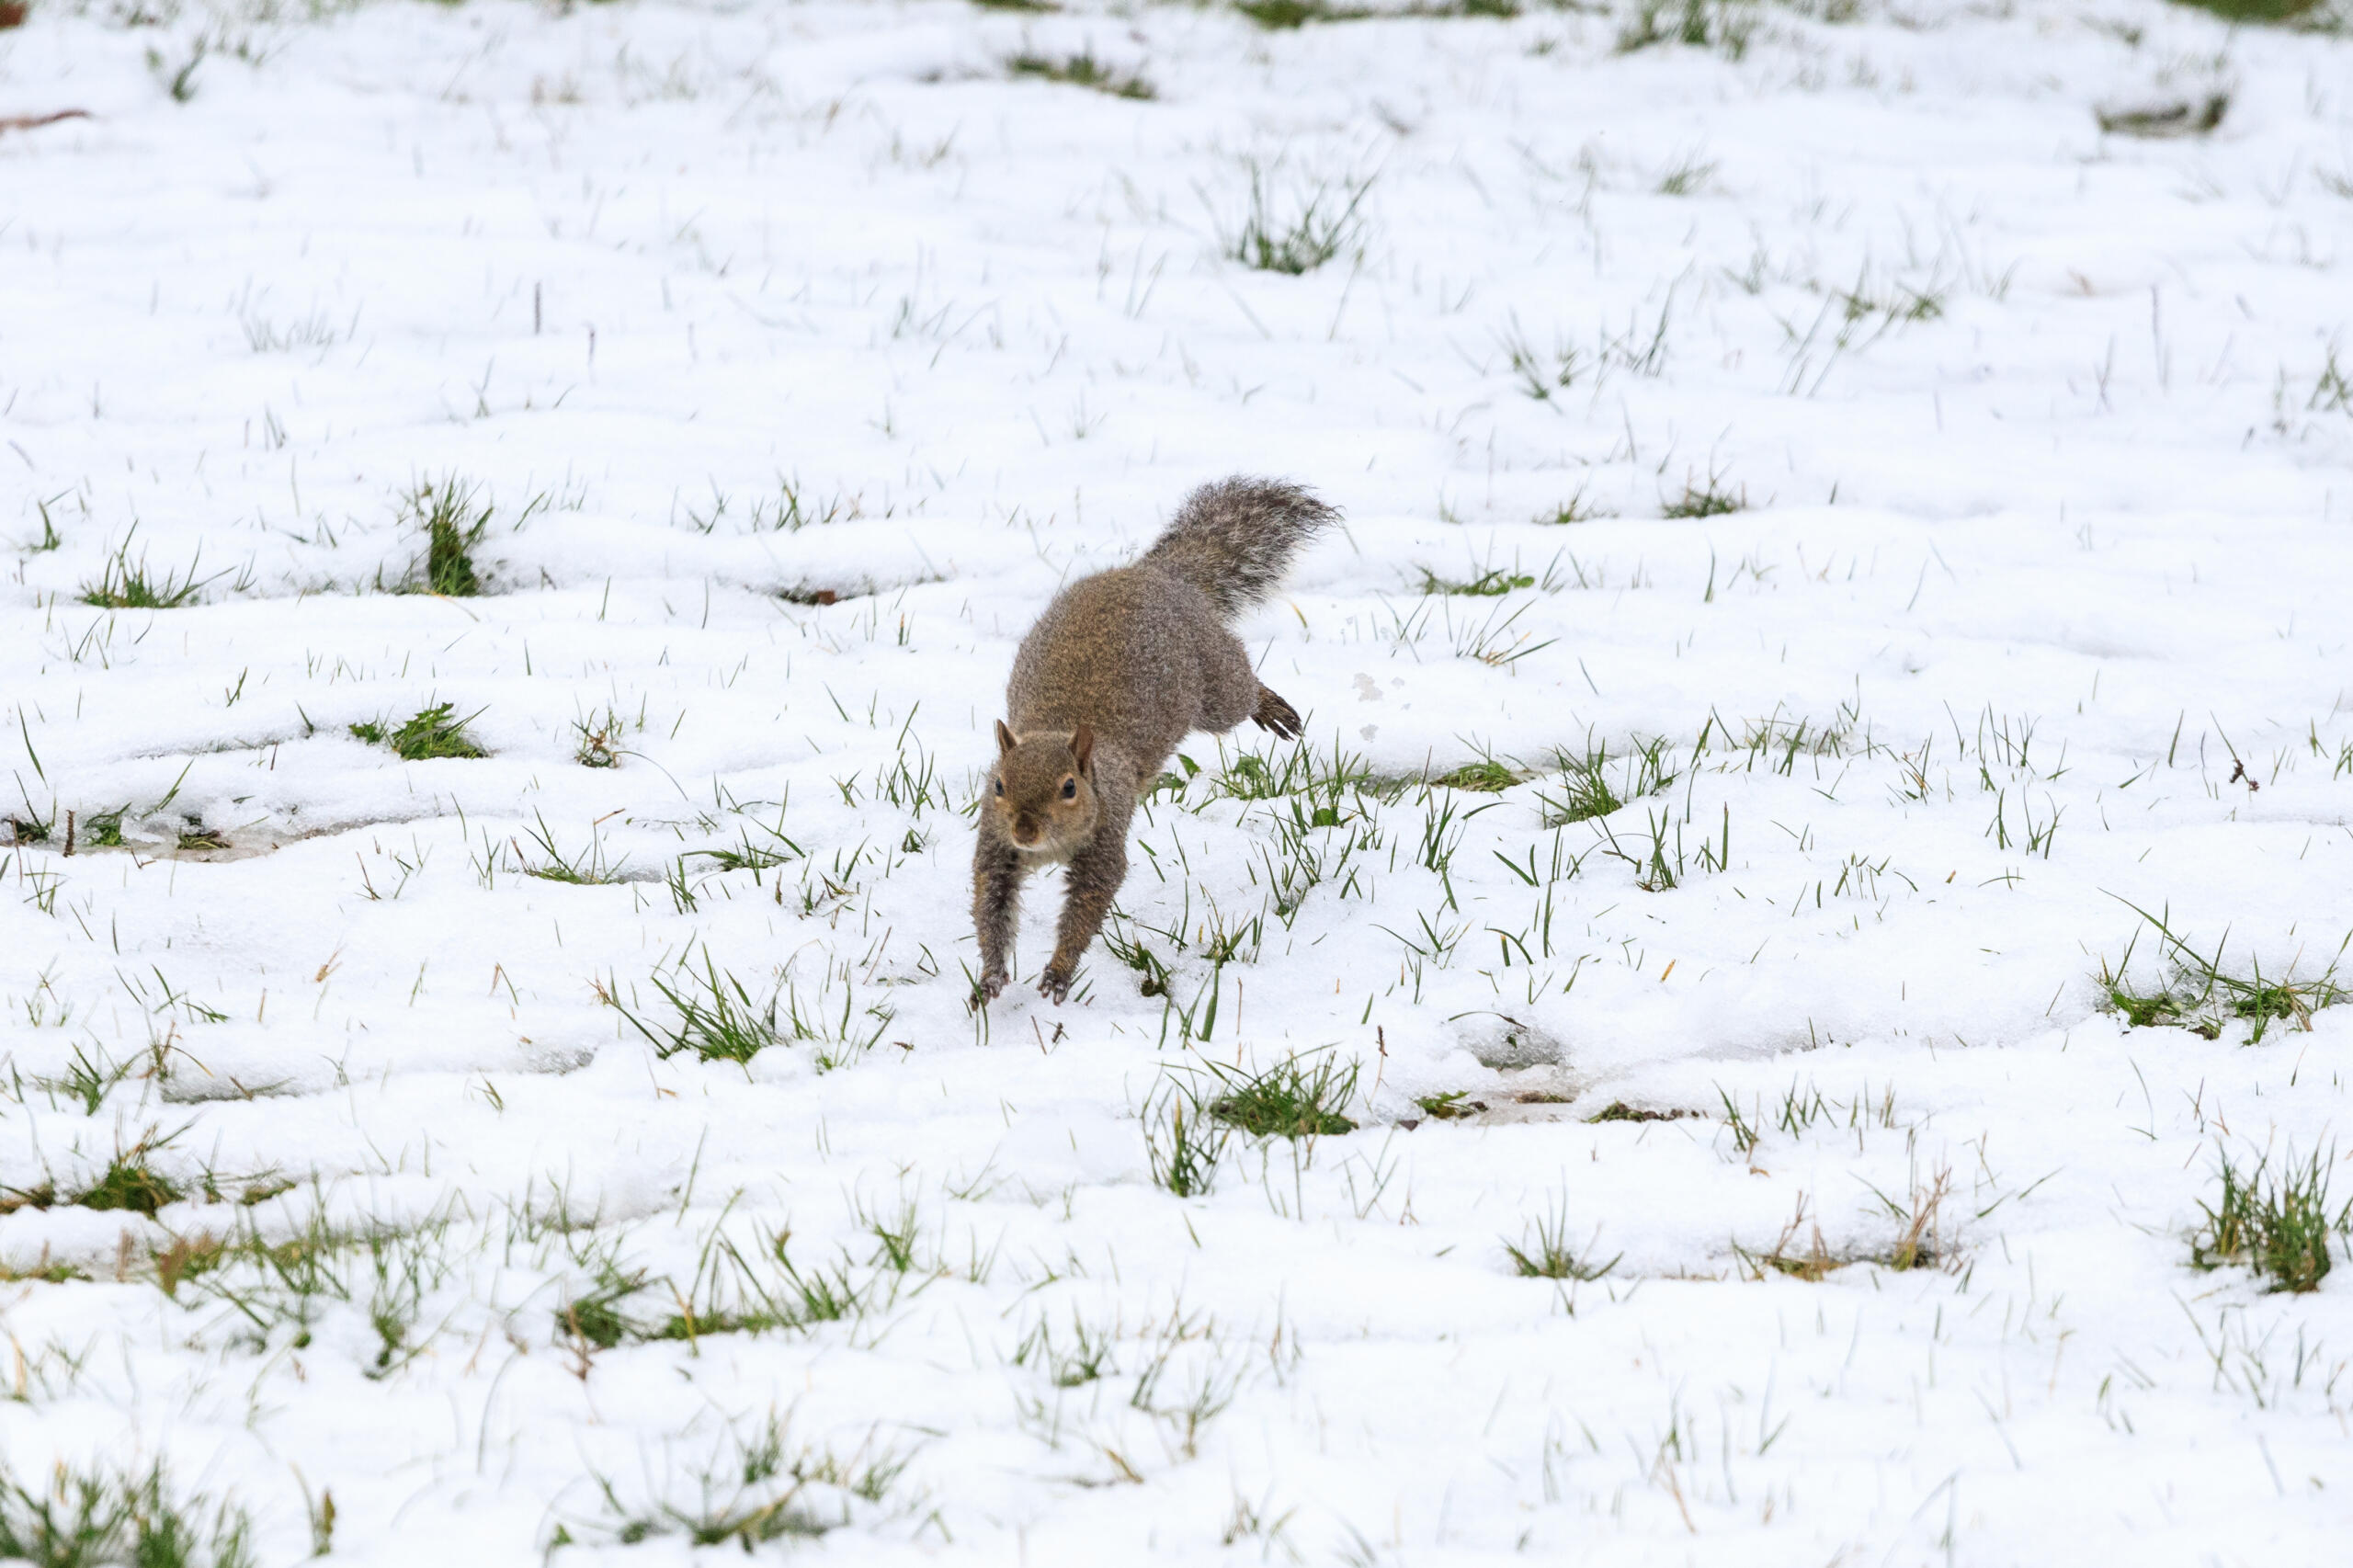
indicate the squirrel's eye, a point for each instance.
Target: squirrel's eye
{"x":1070,"y":788}
{"x":1000,"y":787}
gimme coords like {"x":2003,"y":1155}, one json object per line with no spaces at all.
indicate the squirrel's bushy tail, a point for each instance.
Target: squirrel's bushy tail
{"x":1232,"y":539}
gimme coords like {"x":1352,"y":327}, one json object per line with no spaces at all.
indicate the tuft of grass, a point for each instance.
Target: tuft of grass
{"x":796,"y":506}
{"x":1083,"y":1360}
{"x":264,"y":336}
{"x":597,"y":741}
{"x":1294,"y":1098}
{"x":1452,"y":1106}
{"x":2274,"y":11}
{"x":1184,"y":1138}
{"x":1130,"y":951}
{"x":691,"y":1329}
{"x":43,"y":1274}
{"x":192,"y":1256}
{"x":2147,"y":1011}
{"x":2275,"y":1223}
{"x":1493,"y":641}
{"x":2332,"y":385}
{"x":724,"y":1525}
{"x":1548,"y":1255}
{"x":130,"y":1183}
{"x":1296,"y":233}
{"x":746,"y":856}
{"x":40,"y":1195}
{"x":587,"y":868}
{"x":202,"y":840}
{"x":282,"y":1288}
{"x":453,"y":524}
{"x":1586,"y":790}
{"x":431,"y":732}
{"x":1813,"y":1264}
{"x":1282,"y":15}
{"x":748,"y":1494}
{"x":259,"y":1190}
{"x":403,"y":1268}
{"x":1619,"y":1110}
{"x":1920,"y":1243}
{"x":1540,"y":372}
{"x":1479,"y":778}
{"x":1296,"y":770}
{"x":90,"y":1081}
{"x":715,"y":1016}
{"x":1705,"y":498}
{"x":1492,"y":584}
{"x":2202,"y":996}
{"x":2184,"y":118}
{"x":1082,"y":69}
{"x":1576,"y":509}
{"x":87,"y":1518}
{"x":125,"y":584}
{"x":1724,"y":26}
{"x":180,"y":84}
{"x":272,"y":1285}
{"x":594,"y":1317}
{"x":1900,"y":304}
{"x":1688,"y":175}
{"x":733,"y":1293}
{"x":51,"y":539}
{"x":822,"y":1295}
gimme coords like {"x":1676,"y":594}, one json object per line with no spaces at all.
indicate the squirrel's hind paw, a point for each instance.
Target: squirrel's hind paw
{"x":1273,"y":713}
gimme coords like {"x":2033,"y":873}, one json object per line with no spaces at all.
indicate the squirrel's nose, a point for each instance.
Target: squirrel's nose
{"x":1025,"y":832}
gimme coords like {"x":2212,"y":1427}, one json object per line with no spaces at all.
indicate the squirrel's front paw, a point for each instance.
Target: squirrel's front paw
{"x":1054,"y":985}
{"x":990,"y":986}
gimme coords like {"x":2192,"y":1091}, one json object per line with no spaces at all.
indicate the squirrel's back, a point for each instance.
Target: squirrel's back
{"x":1142,"y":653}
{"x":1120,"y":650}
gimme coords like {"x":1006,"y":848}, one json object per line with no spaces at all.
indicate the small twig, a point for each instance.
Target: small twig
{"x":35,"y":121}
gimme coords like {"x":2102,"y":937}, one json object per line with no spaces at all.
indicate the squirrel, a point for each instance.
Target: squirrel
{"x":1122,"y":666}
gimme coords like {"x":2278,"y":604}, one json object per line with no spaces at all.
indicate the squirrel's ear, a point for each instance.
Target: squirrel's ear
{"x":1082,"y":745}
{"x":1005,"y":742}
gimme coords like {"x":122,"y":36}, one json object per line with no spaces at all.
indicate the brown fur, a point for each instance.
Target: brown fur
{"x":1121,"y":666}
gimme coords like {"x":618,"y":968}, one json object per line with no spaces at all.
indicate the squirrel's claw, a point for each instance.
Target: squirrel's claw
{"x":991,"y":986}
{"x":1054,"y":986}
{"x":1273,"y":713}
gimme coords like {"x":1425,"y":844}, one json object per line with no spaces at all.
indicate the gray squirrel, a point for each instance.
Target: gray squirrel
{"x":1122,"y":666}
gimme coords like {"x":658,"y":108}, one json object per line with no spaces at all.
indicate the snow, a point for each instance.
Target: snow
{"x":2028,"y":628}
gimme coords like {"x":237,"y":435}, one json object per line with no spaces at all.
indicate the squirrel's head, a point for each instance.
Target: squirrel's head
{"x":1041,"y":791}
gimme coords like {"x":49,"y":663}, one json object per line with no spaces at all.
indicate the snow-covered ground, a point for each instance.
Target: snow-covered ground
{"x":1920,"y":505}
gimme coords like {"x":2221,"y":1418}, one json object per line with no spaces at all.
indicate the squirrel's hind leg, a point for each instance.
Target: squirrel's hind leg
{"x":1229,"y":686}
